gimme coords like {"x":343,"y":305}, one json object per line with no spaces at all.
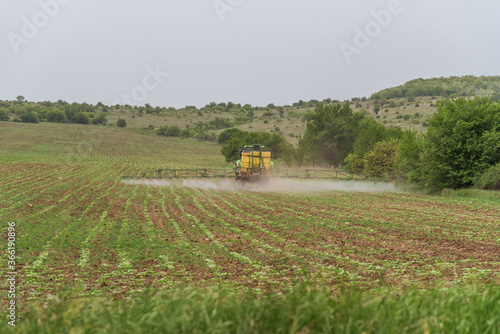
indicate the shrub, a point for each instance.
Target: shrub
{"x":161,"y":131}
{"x":121,"y":123}
{"x":4,"y":116}
{"x":100,"y":119}
{"x":81,"y":118}
{"x":188,"y":133}
{"x":354,"y":163}
{"x":205,"y":136}
{"x":381,"y":160}
{"x":490,"y":179}
{"x":56,"y":116}
{"x":173,"y":131}
{"x":28,"y":117}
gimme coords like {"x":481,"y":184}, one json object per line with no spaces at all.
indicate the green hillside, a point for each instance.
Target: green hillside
{"x":445,"y":87}
{"x":405,"y":106}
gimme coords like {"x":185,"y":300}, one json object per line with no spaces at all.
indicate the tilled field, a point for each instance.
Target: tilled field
{"x":78,"y":224}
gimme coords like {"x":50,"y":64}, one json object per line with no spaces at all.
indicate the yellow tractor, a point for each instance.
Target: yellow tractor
{"x":255,"y":164}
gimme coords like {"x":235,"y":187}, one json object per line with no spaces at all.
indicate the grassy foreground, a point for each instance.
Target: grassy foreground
{"x":472,"y":309}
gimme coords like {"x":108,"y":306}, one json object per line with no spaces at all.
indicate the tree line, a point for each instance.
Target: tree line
{"x":460,"y":149}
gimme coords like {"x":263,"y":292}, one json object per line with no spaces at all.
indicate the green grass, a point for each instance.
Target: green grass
{"x":304,"y":309}
{"x":491,"y":196}
{"x":85,"y":144}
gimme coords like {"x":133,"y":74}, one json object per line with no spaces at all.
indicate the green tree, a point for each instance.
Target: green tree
{"x":411,"y":150}
{"x":4,"y":115}
{"x":281,"y":111}
{"x":121,"y":123}
{"x":462,"y":141}
{"x":331,"y":133}
{"x":250,"y":114}
{"x":369,"y":132}
{"x":228,"y":134}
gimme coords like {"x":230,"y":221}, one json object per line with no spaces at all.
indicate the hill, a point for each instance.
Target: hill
{"x":446,"y":87}
{"x":405,"y":106}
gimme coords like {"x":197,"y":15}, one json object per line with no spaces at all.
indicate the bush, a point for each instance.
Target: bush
{"x":81,"y":118}
{"x":490,"y":179}
{"x":100,"y":119}
{"x":162,"y":131}
{"x":354,"y":162}
{"x":381,"y":160}
{"x":28,"y":117}
{"x":4,"y":116}
{"x":206,"y":136}
{"x":121,"y":123}
{"x":56,"y":116}
{"x":188,"y":133}
{"x":173,"y":131}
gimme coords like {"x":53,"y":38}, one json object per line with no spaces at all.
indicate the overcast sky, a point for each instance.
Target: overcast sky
{"x":192,"y":52}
